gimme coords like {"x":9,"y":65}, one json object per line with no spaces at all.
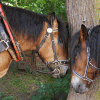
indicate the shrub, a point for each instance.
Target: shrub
{"x":55,"y":91}
{"x":10,"y":98}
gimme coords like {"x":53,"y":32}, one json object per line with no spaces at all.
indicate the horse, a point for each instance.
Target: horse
{"x":84,"y":55}
{"x":33,"y":31}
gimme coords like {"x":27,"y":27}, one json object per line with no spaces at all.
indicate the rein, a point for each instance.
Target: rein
{"x":87,"y":66}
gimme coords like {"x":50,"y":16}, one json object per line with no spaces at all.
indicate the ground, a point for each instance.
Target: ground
{"x":22,"y":84}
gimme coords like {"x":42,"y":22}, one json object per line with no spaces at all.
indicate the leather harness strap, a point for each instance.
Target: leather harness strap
{"x":3,"y":46}
{"x":11,"y":34}
{"x":52,"y":41}
{"x":57,"y":62}
{"x":44,"y":39}
{"x":4,"y":39}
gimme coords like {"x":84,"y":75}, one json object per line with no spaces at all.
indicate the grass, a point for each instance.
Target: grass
{"x":55,"y":91}
{"x":16,"y":83}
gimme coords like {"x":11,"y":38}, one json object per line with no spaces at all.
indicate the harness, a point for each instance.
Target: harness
{"x":57,"y":63}
{"x":87,"y":66}
{"x":8,"y":40}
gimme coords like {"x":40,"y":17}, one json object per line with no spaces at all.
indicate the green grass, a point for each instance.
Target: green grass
{"x":16,"y":82}
{"x":55,"y":91}
{"x":18,"y":85}
{"x":10,"y":98}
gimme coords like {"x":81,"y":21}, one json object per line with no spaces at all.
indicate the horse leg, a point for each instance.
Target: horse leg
{"x":5,"y":60}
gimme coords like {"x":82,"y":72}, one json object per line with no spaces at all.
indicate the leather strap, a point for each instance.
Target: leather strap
{"x":3,"y":46}
{"x":4,"y":39}
{"x":44,"y":39}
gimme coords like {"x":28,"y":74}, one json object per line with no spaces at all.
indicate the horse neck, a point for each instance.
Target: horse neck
{"x":26,"y":44}
{"x":27,"y":31}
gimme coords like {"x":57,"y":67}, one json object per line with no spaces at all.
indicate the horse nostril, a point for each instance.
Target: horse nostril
{"x":79,"y":87}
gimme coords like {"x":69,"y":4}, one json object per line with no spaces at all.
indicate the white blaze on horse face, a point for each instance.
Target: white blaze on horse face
{"x":78,"y":85}
{"x":75,"y":80}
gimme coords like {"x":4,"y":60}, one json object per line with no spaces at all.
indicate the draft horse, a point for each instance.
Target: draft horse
{"x":35,"y":32}
{"x":85,"y":58}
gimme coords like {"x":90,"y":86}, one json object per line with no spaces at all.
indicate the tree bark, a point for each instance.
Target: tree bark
{"x":85,"y":12}
{"x":82,"y":12}
{"x":92,"y":94}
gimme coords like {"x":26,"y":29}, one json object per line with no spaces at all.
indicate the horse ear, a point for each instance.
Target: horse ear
{"x":52,"y":18}
{"x":83,"y":33}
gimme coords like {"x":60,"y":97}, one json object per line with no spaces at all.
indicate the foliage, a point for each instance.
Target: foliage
{"x":10,"y":98}
{"x":21,"y":83}
{"x":43,"y":87}
{"x":55,"y":91}
{"x":41,"y":6}
{"x":1,"y":94}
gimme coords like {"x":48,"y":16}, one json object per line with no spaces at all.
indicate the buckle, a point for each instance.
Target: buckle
{"x":4,"y":44}
{"x":49,"y":30}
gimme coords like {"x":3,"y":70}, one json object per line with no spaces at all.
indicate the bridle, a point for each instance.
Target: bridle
{"x":57,"y":63}
{"x":87,"y":66}
{"x":5,"y":42}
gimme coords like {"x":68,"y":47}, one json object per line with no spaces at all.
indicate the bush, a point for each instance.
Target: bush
{"x":10,"y":98}
{"x":1,"y":94}
{"x":55,"y":91}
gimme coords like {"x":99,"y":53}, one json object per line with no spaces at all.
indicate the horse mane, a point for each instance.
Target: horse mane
{"x":25,"y":21}
{"x":31,"y":23}
{"x":95,"y":41}
{"x":75,"y":45}
{"x":63,"y":33}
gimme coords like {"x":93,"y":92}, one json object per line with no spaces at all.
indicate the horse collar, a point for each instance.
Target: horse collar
{"x":10,"y":34}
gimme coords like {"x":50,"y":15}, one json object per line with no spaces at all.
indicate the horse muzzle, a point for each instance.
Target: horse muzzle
{"x":78,"y":85}
{"x":61,"y":72}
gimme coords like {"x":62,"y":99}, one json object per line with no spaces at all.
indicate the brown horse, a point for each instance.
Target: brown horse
{"x":30,"y":29}
{"x":85,"y":55}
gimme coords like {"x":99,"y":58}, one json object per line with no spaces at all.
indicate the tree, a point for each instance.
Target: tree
{"x":40,"y":6}
{"x":83,"y":12}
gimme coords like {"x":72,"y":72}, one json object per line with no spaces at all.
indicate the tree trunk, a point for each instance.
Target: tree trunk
{"x":85,"y":12}
{"x":92,"y":94}
{"x":82,"y":12}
